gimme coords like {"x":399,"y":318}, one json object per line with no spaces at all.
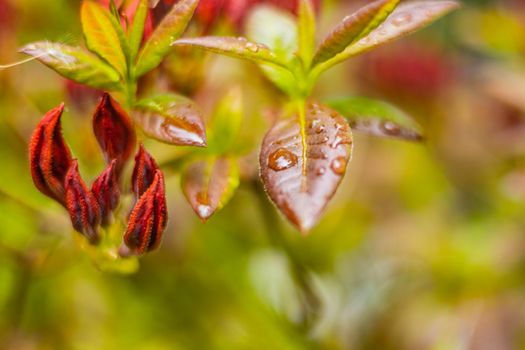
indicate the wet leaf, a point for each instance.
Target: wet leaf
{"x":274,"y":28}
{"x":136,"y":30}
{"x":171,"y":27}
{"x":306,"y":30}
{"x":353,"y":28}
{"x":209,"y":184}
{"x":74,"y":63}
{"x":171,"y":119}
{"x":301,"y":174}
{"x":405,"y":19}
{"x":234,"y":47}
{"x":377,"y":118}
{"x":104,"y":35}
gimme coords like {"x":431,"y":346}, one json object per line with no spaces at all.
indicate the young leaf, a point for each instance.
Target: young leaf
{"x":136,"y":30}
{"x":171,"y":119}
{"x":377,"y":118}
{"x":302,"y":172}
{"x":104,"y":35}
{"x":209,"y":184}
{"x":274,"y":28}
{"x":353,"y":28}
{"x":234,"y":47}
{"x":406,"y":19}
{"x":306,"y":30}
{"x":171,"y":27}
{"x":74,"y":63}
{"x":226,"y":122}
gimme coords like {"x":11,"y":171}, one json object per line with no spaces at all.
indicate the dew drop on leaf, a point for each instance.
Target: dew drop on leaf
{"x":401,"y":19}
{"x":252,"y":47}
{"x":282,"y":159}
{"x":390,"y":128}
{"x":338,"y":165}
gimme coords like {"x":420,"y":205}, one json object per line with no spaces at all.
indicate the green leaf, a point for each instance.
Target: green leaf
{"x":282,"y":78}
{"x":226,"y":122}
{"x":209,"y":184}
{"x":234,"y":47}
{"x":275,"y":28}
{"x":171,"y":27}
{"x":377,"y":118}
{"x":74,"y":63}
{"x":136,"y":32}
{"x":104,"y":36}
{"x":406,"y":19}
{"x":353,"y":28}
{"x":171,"y":119}
{"x":306,"y":31}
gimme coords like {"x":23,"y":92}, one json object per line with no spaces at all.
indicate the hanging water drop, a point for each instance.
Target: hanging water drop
{"x":282,"y":159}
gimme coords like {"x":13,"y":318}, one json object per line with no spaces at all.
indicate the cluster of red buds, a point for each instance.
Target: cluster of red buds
{"x":55,"y":173}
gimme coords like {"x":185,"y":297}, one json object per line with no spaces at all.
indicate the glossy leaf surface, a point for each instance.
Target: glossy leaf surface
{"x":377,"y":118}
{"x":209,"y":184}
{"x":136,"y":30}
{"x":171,"y":119}
{"x":407,"y":18}
{"x":171,"y":27}
{"x":302,"y":174}
{"x":234,"y":47}
{"x":74,"y":63}
{"x":102,"y":34}
{"x":353,"y":28}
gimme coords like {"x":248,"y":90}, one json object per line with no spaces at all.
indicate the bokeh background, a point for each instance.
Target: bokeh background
{"x":423,"y":247}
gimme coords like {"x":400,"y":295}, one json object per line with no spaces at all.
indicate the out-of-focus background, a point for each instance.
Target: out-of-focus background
{"x":423,"y":247}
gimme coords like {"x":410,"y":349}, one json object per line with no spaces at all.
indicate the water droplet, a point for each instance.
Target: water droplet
{"x":320,"y":128}
{"x":338,"y":165}
{"x":320,"y":171}
{"x":204,"y":209}
{"x":390,"y":128}
{"x":402,"y":19}
{"x":282,"y":159}
{"x":314,"y":123}
{"x":241,"y":38}
{"x":252,"y":47}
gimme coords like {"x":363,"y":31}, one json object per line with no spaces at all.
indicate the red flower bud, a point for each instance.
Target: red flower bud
{"x":143,"y":172}
{"x":106,"y":190}
{"x":81,"y":205}
{"x":49,"y":156}
{"x":147,"y":220}
{"x":114,"y":131}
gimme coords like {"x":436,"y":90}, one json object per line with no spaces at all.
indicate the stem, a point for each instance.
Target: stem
{"x":277,"y":238}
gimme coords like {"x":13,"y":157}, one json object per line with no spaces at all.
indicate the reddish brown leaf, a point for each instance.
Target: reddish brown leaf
{"x":81,"y":205}
{"x":49,"y":156}
{"x":208,"y":185}
{"x":171,"y":119}
{"x":143,"y":172}
{"x":114,"y":131}
{"x":301,"y":176}
{"x":106,"y":190}
{"x":147,"y":220}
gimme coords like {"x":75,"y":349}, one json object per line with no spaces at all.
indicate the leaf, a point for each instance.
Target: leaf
{"x":209,"y":184}
{"x":353,"y":28}
{"x":377,"y":118}
{"x":171,"y":27}
{"x":226,"y":122}
{"x":136,"y":31}
{"x":234,"y":47}
{"x":171,"y":119}
{"x":74,"y":63}
{"x":306,"y":27}
{"x":274,"y":28}
{"x":407,"y":18}
{"x":104,"y":35}
{"x":301,"y":174}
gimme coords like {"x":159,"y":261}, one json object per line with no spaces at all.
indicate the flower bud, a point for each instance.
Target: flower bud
{"x":49,"y":156}
{"x":147,"y":220}
{"x":81,"y":205}
{"x":143,"y":172}
{"x":106,"y":190}
{"x":114,"y":131}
